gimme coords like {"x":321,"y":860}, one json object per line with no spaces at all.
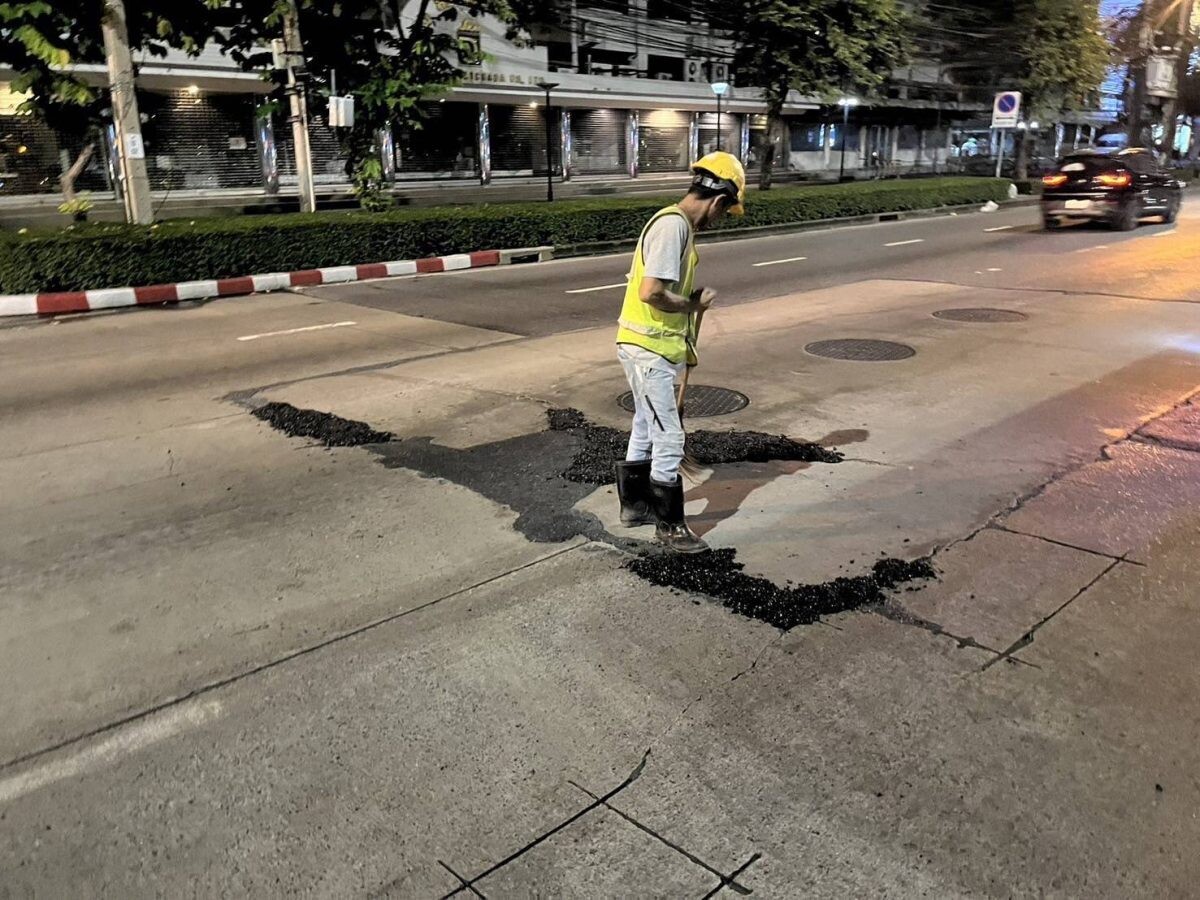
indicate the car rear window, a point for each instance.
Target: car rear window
{"x":1090,"y":165}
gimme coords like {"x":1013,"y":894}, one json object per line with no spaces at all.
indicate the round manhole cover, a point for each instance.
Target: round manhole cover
{"x":981,"y":314}
{"x":702,"y":401}
{"x":861,"y":350}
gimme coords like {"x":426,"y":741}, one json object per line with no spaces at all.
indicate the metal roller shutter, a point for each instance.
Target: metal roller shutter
{"x":663,"y":141}
{"x":758,"y":144}
{"x":598,"y":137}
{"x":201,"y":140}
{"x":519,"y":140}
{"x":731,"y":128}
{"x":444,"y":146}
{"x":328,"y":163}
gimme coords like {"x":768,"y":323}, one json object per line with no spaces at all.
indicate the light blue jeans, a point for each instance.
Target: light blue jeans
{"x":657,"y":433}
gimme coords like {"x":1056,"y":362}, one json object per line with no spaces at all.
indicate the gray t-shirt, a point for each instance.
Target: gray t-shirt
{"x":663,"y":249}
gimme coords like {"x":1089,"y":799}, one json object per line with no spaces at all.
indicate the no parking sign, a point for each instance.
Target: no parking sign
{"x":1006,"y":110}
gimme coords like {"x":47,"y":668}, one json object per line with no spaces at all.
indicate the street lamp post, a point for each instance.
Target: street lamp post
{"x":548,"y":86}
{"x":845,"y":103}
{"x":720,"y":88}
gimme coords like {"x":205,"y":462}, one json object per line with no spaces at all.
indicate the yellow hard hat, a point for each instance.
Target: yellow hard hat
{"x":723,"y":171}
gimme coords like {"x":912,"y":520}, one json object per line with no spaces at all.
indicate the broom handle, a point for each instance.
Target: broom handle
{"x":687,"y":370}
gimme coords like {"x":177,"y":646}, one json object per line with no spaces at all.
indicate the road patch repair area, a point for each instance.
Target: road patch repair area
{"x":715,"y":573}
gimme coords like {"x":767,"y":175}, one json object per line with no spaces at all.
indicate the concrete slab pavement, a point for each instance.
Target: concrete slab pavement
{"x":490,"y":703}
{"x":1118,"y":505}
{"x":345,"y":741}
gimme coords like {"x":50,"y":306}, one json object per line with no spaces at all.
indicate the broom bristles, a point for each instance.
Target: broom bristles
{"x":689,"y":467}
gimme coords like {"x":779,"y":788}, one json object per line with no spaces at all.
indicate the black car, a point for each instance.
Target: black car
{"x":1116,"y":186}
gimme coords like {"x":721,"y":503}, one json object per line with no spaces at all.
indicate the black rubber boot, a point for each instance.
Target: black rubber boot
{"x":667,"y":502}
{"x":633,"y":487}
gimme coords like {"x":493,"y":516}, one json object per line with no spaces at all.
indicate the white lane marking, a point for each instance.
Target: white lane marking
{"x":780,"y":262}
{"x":1090,"y":249}
{"x":125,"y":741}
{"x":904,"y":243}
{"x":255,"y":337}
{"x":603,"y":287}
{"x":1000,"y":228}
{"x":995,"y":270}
{"x":1164,"y":233}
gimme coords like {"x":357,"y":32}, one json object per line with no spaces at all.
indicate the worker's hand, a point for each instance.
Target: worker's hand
{"x":703,"y":298}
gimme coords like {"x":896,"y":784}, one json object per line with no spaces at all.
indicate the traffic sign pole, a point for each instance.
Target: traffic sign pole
{"x":1000,"y":154}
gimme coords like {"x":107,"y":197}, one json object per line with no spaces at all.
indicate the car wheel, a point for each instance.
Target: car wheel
{"x":1050,"y":223}
{"x":1172,"y":212}
{"x":1126,"y":218}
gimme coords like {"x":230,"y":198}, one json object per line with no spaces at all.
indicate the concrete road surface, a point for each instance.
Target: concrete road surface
{"x":237,"y":663}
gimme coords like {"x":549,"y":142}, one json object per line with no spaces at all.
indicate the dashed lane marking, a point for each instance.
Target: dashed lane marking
{"x":255,"y":337}
{"x":905,"y":243}
{"x":780,"y":262}
{"x":603,"y":287}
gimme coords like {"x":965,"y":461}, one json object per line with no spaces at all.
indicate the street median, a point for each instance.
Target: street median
{"x":100,"y":257}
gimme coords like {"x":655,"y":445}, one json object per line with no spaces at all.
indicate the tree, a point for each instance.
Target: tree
{"x":815,"y":47}
{"x":42,"y":41}
{"x":1063,"y":56}
{"x":1054,"y":51}
{"x":388,"y":55}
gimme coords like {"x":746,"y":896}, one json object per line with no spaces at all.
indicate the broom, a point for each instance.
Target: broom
{"x":689,"y":467}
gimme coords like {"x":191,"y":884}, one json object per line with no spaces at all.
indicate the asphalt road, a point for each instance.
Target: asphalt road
{"x":1007,"y":249}
{"x":239,"y":663}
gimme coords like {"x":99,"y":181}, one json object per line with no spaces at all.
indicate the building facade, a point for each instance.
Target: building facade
{"x":633,"y":97}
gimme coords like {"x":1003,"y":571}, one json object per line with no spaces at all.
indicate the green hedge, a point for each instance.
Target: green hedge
{"x":98,"y":256}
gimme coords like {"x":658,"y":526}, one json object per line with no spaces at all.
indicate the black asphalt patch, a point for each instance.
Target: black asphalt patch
{"x":600,"y":447}
{"x":718,"y":574}
{"x":330,"y":430}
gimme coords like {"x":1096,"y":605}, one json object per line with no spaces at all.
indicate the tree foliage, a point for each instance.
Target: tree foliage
{"x":1055,"y":52}
{"x":42,"y":43}
{"x":816,"y":47}
{"x":387,"y":55}
{"x":42,"y":40}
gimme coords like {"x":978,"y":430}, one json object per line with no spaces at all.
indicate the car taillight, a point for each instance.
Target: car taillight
{"x":1115,"y":179}
{"x":1054,"y":180}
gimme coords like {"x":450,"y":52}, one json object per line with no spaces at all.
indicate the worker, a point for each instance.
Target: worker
{"x":656,"y":340}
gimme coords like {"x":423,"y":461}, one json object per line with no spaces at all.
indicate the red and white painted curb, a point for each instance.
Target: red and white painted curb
{"x":113,"y":298}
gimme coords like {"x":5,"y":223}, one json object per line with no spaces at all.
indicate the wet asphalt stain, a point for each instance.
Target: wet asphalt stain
{"x":522,"y":473}
{"x":718,"y":574}
{"x":330,"y":430}
{"x":601,"y":446}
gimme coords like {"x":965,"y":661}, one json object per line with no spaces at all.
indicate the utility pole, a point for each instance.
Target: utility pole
{"x":131,"y":152}
{"x":548,"y":86}
{"x":293,"y":50}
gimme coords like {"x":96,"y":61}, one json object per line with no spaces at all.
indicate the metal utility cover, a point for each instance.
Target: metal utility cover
{"x":980,"y":314}
{"x":861,"y":350}
{"x":702,"y":401}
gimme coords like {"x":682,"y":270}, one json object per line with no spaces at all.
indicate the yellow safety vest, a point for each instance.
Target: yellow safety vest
{"x":670,"y":335}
